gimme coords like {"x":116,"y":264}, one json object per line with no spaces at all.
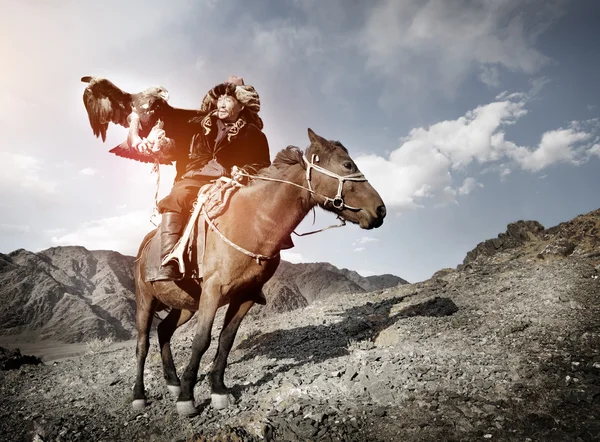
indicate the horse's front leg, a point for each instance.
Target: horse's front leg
{"x":233,"y":318}
{"x":175,"y":319}
{"x":146,"y":305}
{"x":209,"y":303}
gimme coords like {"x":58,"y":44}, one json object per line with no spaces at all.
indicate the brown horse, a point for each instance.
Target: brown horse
{"x":260,"y":217}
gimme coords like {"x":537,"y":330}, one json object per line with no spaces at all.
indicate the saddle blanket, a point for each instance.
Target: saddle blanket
{"x":216,"y":198}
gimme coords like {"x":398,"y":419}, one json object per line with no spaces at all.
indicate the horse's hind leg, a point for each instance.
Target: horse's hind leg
{"x":175,"y":319}
{"x":235,"y":313}
{"x":146,"y":305}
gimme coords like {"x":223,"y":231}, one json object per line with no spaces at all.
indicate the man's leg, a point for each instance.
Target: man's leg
{"x":174,"y":209}
{"x":170,"y":232}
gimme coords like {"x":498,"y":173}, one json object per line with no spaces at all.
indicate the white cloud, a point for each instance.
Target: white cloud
{"x":24,"y":173}
{"x":88,"y":171}
{"x":556,"y":146}
{"x":14,"y":228}
{"x":366,"y":273}
{"x":490,"y":76}
{"x":365,"y":240}
{"x":469,"y":184}
{"x":359,"y":249}
{"x":424,"y":165}
{"x":456,"y":36}
{"x":292,"y":256}
{"x":120,"y":233}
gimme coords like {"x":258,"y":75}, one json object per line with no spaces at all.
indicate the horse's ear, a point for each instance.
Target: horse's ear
{"x":314,"y":138}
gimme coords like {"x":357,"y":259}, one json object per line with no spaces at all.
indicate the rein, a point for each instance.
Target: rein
{"x":337,"y":202}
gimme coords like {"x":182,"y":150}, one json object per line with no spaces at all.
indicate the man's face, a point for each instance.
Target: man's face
{"x":228,"y":108}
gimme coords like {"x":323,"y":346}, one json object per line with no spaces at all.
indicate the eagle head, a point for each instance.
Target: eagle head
{"x":157,"y":91}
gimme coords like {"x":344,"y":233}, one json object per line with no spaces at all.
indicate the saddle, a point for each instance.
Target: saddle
{"x":213,"y":198}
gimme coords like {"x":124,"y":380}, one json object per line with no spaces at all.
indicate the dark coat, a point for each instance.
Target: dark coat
{"x":243,"y":145}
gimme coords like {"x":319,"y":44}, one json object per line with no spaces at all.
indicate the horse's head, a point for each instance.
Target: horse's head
{"x":338,"y":184}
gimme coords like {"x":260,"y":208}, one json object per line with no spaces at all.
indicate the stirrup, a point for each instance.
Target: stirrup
{"x":169,"y":272}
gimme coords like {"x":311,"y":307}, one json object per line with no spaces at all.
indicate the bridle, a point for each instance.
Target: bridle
{"x":338,"y":200}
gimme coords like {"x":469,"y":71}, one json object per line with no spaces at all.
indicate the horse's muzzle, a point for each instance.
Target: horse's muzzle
{"x":372,"y":221}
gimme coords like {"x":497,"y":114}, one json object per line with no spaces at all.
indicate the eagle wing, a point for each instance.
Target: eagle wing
{"x":105,"y":103}
{"x":140,"y":112}
{"x":179,"y":126}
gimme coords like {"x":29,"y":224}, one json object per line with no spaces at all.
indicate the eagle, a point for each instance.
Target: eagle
{"x":143,"y":113}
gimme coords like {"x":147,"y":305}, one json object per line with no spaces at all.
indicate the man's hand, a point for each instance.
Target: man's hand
{"x":142,"y":145}
{"x":156,"y":137}
{"x":155,"y":141}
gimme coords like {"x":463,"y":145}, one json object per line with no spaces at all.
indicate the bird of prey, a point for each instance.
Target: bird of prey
{"x":142,"y":113}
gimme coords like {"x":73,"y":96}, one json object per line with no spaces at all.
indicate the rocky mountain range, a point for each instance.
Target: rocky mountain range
{"x":71,"y":294}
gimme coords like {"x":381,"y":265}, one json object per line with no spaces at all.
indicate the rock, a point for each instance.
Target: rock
{"x":13,"y":359}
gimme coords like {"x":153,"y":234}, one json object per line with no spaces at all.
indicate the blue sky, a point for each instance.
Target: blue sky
{"x":464,"y":115}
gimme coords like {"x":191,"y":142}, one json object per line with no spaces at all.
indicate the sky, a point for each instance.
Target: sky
{"x":465,"y":115}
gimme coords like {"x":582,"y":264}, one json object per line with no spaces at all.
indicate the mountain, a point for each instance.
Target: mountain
{"x":67,"y":294}
{"x":578,"y":237}
{"x":71,"y":294}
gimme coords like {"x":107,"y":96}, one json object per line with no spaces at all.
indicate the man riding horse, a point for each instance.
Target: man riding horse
{"x":204,"y":144}
{"x":229,"y":135}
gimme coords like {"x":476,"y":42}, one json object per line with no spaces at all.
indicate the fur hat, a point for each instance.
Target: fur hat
{"x":235,"y":87}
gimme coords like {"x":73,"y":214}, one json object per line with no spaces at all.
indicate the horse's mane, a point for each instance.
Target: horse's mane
{"x":287,"y":157}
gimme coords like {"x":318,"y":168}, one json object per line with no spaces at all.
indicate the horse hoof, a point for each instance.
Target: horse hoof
{"x":186,"y":408}
{"x":219,"y":401}
{"x":139,"y":404}
{"x":174,"y":390}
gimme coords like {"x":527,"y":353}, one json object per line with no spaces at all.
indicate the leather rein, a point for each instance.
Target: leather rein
{"x":337,"y":202}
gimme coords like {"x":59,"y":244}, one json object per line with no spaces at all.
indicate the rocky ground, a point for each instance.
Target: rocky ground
{"x":506,"y":348}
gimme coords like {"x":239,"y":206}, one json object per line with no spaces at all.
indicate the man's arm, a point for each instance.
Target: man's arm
{"x":262,"y":154}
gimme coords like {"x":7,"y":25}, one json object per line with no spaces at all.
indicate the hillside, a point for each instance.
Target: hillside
{"x":71,"y":294}
{"x":505,"y":347}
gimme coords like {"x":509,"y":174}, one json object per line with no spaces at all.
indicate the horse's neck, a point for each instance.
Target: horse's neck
{"x":274,"y":209}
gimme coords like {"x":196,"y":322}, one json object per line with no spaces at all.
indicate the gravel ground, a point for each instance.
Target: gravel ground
{"x":507,"y":349}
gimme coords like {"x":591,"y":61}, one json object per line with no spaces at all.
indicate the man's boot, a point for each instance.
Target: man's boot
{"x":170,"y":232}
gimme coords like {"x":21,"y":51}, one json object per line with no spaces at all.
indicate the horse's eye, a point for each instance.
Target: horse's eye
{"x":347,"y":165}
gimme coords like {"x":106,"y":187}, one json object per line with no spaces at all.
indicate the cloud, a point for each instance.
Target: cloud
{"x":14,"y":228}
{"x":490,"y":76}
{"x":429,"y":159}
{"x":362,"y":241}
{"x":595,"y":150}
{"x":23,"y":173}
{"x":365,"y":240}
{"x":88,"y":171}
{"x":468,"y":185}
{"x":556,"y":146}
{"x":454,"y":37}
{"x":292,"y":256}
{"x":120,"y":233}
